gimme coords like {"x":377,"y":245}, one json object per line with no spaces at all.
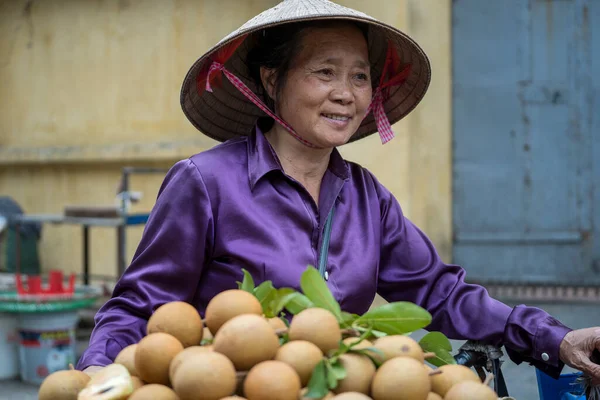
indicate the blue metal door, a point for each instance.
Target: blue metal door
{"x":526,"y":147}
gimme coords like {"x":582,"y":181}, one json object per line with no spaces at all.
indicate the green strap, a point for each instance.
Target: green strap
{"x":325,"y":244}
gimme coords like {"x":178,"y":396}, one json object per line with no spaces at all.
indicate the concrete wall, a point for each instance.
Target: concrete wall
{"x":87,"y":87}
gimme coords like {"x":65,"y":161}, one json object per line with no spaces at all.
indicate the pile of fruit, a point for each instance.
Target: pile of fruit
{"x":246,"y":348}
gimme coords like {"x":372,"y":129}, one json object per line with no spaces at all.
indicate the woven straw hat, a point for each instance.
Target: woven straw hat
{"x":226,"y":112}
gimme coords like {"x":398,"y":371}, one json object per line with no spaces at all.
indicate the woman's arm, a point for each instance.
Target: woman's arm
{"x":411,"y":270}
{"x":177,"y":239}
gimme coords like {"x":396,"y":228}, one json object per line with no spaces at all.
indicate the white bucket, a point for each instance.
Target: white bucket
{"x":9,"y":349}
{"x":46,"y":343}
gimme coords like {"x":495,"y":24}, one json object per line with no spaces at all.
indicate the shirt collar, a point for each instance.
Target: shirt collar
{"x":262,"y":159}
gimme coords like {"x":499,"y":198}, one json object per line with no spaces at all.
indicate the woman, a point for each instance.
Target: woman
{"x":283,"y":92}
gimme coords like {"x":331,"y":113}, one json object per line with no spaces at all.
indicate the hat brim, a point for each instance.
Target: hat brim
{"x":226,"y":113}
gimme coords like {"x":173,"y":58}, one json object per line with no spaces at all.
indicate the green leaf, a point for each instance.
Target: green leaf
{"x":438,"y":343}
{"x":265,"y":292}
{"x":248,"y":283}
{"x":331,"y":377}
{"x":396,"y":318}
{"x":348,"y":319}
{"x":338,"y":370}
{"x":280,"y":299}
{"x":317,"y":385}
{"x":296,"y":302}
{"x":315,"y":288}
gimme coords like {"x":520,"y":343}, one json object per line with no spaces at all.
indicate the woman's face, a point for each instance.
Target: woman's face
{"x":328,"y":87}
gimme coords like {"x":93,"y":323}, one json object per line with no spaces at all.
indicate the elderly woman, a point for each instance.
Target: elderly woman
{"x":282,"y":93}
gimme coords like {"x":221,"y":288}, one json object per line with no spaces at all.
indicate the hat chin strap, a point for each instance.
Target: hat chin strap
{"x":383,"y":124}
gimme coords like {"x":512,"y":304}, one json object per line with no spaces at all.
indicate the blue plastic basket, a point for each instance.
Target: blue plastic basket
{"x":563,"y":388}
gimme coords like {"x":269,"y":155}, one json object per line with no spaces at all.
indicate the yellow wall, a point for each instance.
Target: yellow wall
{"x":87,"y":87}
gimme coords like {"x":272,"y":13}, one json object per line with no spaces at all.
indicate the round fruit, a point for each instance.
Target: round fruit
{"x":228,"y":304}
{"x":154,"y":391}
{"x":272,"y":380}
{"x":401,"y":378}
{"x":362,"y":345}
{"x":206,"y":334}
{"x":153,"y":357}
{"x":434,"y":396}
{"x":210,"y":375}
{"x":246,"y":340}
{"x":126,"y":357}
{"x":137,"y":383}
{"x":351,"y":396}
{"x":398,"y":346}
{"x":110,"y":383}
{"x":301,"y":355}
{"x":181,"y":356}
{"x":277,"y":323}
{"x":317,"y":326}
{"x":63,"y":385}
{"x":330,"y":395}
{"x":359,"y":374}
{"x":179,"y":319}
{"x":469,"y":390}
{"x":451,"y":375}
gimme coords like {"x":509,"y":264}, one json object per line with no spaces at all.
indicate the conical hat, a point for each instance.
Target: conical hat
{"x":225,"y":112}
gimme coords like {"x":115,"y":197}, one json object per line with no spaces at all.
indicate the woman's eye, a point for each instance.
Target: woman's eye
{"x":326,"y":72}
{"x":362,"y":77}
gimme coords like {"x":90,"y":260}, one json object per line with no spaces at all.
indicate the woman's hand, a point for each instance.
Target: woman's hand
{"x":577,"y":348}
{"x":92,"y":369}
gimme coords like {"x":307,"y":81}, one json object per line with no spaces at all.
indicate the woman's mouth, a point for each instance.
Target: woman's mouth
{"x":337,"y":120}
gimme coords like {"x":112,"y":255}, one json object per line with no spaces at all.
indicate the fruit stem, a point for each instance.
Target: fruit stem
{"x":428,"y":355}
{"x":488,"y":379}
{"x":436,"y":372}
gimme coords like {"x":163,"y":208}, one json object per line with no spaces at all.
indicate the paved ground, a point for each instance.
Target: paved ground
{"x":521,"y":379}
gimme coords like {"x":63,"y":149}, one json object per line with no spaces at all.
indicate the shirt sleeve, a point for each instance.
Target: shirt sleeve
{"x":411,"y":270}
{"x":166,"y":266}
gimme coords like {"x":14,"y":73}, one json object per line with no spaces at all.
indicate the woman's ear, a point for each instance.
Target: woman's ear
{"x":267,"y":77}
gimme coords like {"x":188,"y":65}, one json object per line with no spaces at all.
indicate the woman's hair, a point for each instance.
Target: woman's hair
{"x":274,"y":48}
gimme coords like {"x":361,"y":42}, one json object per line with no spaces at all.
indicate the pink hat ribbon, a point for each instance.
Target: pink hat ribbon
{"x":384,"y":128}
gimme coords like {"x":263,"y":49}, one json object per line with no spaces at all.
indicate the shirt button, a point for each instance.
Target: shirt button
{"x":326,"y":275}
{"x":545,"y":356}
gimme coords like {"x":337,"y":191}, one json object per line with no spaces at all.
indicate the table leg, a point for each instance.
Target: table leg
{"x":86,"y":255}
{"x":120,"y":251}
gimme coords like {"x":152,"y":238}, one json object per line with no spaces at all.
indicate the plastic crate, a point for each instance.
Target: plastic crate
{"x":563,"y":388}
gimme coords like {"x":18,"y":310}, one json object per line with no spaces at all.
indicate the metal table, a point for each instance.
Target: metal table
{"x":86,"y":223}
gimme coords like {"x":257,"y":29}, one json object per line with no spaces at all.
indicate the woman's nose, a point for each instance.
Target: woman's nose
{"x":342,"y":92}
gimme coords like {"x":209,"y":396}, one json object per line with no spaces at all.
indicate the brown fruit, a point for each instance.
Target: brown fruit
{"x":301,"y":355}
{"x":272,"y":380}
{"x":246,"y":340}
{"x":112,"y":382}
{"x":362,"y":345}
{"x":351,"y":396}
{"x":301,"y":396}
{"x":63,"y":385}
{"x":153,"y":357}
{"x":277,"y":323}
{"x":469,"y":390}
{"x":137,"y":383}
{"x":208,"y":375}
{"x":401,"y":378}
{"x":126,"y":357}
{"x":434,"y":396}
{"x":317,"y":326}
{"x":192,"y":351}
{"x":360,"y":371}
{"x":451,"y":375}
{"x":228,"y":304}
{"x":398,"y":346}
{"x":179,"y":319}
{"x":154,"y":391}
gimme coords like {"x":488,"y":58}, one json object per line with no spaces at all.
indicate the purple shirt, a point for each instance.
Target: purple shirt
{"x":233,"y":207}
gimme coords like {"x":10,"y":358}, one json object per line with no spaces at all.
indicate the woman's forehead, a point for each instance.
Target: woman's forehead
{"x":334,"y":45}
